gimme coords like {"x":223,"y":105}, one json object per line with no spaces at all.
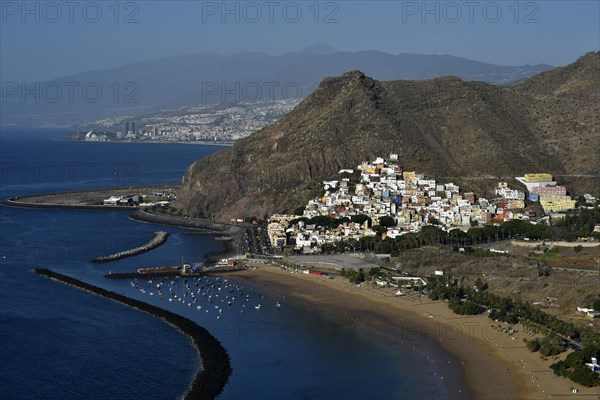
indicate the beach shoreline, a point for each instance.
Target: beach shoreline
{"x":495,"y":362}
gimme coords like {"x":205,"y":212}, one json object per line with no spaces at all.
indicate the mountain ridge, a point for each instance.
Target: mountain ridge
{"x":441,"y":127}
{"x":178,"y":81}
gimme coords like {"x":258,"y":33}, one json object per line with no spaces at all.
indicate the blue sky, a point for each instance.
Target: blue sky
{"x":46,"y":40}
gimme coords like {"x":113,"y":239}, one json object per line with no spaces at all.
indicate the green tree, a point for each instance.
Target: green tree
{"x":299,"y":211}
{"x":360,"y":218}
{"x":551,"y":345}
{"x":379,"y":230}
{"x":466,"y":307}
{"x":356,"y":277}
{"x":533,"y":345}
{"x":387,"y":221}
{"x":434,"y":221}
{"x":480,"y":284}
{"x":373,"y":272}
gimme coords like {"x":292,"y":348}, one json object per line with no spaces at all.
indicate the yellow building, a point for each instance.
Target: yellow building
{"x":409,"y":175}
{"x":283,"y":219}
{"x":563,"y":204}
{"x":533,"y":178}
{"x":515,"y":204}
{"x":551,"y":198}
{"x":276,"y":232}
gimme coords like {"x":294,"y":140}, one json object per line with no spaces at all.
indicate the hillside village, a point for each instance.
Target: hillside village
{"x":379,"y":197}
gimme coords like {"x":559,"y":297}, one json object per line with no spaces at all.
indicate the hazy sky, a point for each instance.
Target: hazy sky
{"x":46,"y":39}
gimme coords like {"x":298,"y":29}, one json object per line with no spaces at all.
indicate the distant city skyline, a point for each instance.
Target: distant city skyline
{"x":46,"y":40}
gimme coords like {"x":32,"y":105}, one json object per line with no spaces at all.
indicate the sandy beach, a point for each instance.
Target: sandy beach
{"x":495,"y":362}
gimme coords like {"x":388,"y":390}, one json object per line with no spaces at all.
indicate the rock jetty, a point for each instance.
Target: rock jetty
{"x":216,"y":368}
{"x":158,"y":239}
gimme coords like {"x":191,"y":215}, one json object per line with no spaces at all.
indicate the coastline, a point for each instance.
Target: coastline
{"x":72,"y":199}
{"x":231,"y":246}
{"x":478,"y":342}
{"x":18,"y":203}
{"x":68,"y":200}
{"x":225,"y":144}
{"x":494,"y":365}
{"x":212,"y":356}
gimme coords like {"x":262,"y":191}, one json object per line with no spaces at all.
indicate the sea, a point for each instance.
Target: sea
{"x":60,"y":342}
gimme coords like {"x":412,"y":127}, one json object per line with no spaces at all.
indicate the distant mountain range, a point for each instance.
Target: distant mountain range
{"x":446,"y":127}
{"x":210,"y":78}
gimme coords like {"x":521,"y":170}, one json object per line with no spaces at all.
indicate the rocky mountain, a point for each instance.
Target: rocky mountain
{"x":210,"y":78}
{"x":579,"y":80}
{"x":444,"y":127}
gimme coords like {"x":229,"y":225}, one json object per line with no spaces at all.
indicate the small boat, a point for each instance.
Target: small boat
{"x":278,"y":305}
{"x":257,"y":307}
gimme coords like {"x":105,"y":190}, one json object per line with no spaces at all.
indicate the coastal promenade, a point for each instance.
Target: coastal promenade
{"x":232,"y":235}
{"x":216,"y":368}
{"x":183,"y":222}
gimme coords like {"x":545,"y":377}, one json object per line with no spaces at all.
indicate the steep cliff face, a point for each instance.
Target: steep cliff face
{"x":443,"y":127}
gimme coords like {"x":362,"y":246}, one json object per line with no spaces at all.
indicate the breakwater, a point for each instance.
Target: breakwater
{"x":152,"y":275}
{"x":158,"y":239}
{"x":212,"y":378}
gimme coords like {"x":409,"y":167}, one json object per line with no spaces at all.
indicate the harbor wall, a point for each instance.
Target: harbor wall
{"x":158,"y":239}
{"x":216,"y":368}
